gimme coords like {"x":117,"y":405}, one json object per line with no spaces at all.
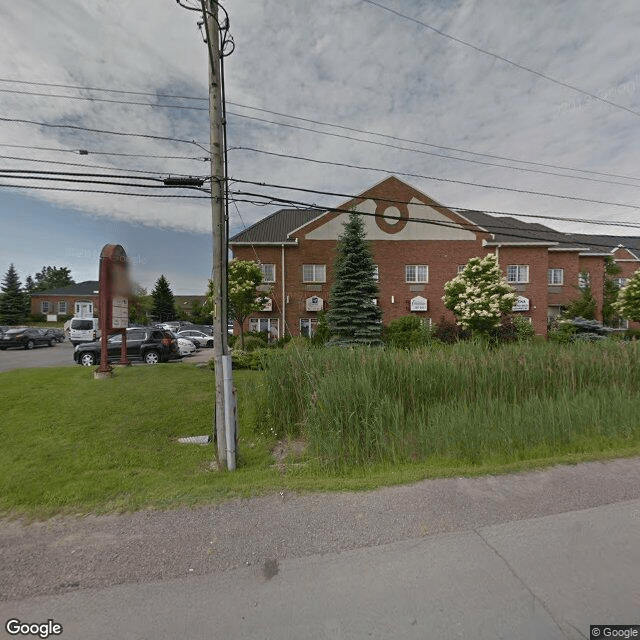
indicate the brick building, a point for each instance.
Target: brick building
{"x":67,"y":300}
{"x":417,"y":249}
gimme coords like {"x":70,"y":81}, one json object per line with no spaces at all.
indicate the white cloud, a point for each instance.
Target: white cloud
{"x":342,"y":62}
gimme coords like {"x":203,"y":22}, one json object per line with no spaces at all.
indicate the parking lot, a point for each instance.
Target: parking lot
{"x":61,"y":355}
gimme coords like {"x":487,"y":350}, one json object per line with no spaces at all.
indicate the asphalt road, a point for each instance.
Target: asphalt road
{"x":539,"y":555}
{"x":61,"y":355}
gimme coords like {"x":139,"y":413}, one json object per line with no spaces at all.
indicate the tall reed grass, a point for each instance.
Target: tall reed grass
{"x":465,"y":401}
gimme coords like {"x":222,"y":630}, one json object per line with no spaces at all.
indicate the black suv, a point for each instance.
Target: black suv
{"x":149,"y":345}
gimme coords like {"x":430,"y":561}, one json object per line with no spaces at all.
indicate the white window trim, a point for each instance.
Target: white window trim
{"x":264,"y":268}
{"x":376,"y":273}
{"x":319,"y":273}
{"x":62,"y":306}
{"x":551,"y":277}
{"x":521,"y":274}
{"x":312,"y":325}
{"x":44,"y":306}
{"x":416,"y":279}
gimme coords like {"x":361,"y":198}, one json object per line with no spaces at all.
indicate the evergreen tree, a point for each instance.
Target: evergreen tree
{"x":14,"y":303}
{"x":164,"y":304}
{"x":353,"y":317}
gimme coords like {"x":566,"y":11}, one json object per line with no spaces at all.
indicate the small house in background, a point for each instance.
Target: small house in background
{"x":75,"y":300}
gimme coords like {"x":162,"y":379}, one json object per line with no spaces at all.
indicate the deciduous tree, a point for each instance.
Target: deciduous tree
{"x":244,"y":278}
{"x":627,"y":305}
{"x":479,"y":296}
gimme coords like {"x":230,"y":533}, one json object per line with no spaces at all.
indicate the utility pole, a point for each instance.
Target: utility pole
{"x":219,"y":271}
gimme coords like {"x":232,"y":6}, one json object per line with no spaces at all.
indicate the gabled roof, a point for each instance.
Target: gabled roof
{"x":275,"y":229}
{"x":86,"y":288}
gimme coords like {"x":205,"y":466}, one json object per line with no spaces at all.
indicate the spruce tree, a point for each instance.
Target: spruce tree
{"x":164,"y":304}
{"x":353,"y":317}
{"x":14,"y":303}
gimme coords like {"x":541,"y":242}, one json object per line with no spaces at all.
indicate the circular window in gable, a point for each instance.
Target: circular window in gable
{"x":397,"y":220}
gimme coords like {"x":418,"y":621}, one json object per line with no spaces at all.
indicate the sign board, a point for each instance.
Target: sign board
{"x":521,"y":304}
{"x":113,"y":299}
{"x":268,"y":305}
{"x":120,"y":312}
{"x":314,"y":303}
{"x":419,"y":304}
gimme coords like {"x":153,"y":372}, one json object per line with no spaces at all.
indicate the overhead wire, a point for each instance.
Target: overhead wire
{"x":503,"y":59}
{"x":506,"y":231}
{"x":312,"y":121}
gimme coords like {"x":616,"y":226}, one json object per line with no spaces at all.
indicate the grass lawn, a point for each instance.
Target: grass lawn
{"x":75,"y":445}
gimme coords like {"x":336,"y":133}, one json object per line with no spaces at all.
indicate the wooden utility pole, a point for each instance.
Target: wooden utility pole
{"x":219,"y":271}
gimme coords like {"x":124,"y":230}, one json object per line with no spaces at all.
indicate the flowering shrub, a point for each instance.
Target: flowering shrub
{"x":628,"y":303}
{"x":479,"y":296}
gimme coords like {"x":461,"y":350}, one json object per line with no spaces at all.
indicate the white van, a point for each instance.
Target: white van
{"x":83,"y":330}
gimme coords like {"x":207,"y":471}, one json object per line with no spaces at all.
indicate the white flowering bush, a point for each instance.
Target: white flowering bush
{"x":627,"y":305}
{"x":479,"y":296}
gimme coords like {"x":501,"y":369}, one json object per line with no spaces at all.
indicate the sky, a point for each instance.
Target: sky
{"x":473,"y":102}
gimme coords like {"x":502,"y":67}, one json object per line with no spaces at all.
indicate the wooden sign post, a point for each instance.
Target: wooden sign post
{"x":113,"y":303}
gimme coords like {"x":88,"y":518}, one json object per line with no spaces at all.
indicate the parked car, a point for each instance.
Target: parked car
{"x":57,"y":334}
{"x":151,"y":345}
{"x":185,"y":347}
{"x":200,"y":338}
{"x":26,"y":338}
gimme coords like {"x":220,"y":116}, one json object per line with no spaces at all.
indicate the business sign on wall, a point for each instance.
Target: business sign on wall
{"x":314,"y":303}
{"x":521,"y":304}
{"x":419,"y":304}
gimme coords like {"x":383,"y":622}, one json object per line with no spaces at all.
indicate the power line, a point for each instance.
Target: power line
{"x":538,"y":193}
{"x":122,"y":91}
{"x":503,"y":59}
{"x":517,"y":214}
{"x":421,"y":151}
{"x":84,"y":152}
{"x":417,"y":175}
{"x":91,"y":166}
{"x":470,"y":227}
{"x":113,"y":133}
{"x":91,"y":99}
{"x":318,"y":122}
{"x":115,"y":193}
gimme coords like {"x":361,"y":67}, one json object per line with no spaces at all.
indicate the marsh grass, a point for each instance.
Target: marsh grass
{"x":465,"y":403}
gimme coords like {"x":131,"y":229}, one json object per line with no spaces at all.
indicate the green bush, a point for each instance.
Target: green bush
{"x":632,"y":334}
{"x":408,"y":332}
{"x":449,"y":332}
{"x":251,"y":343}
{"x":37,"y":317}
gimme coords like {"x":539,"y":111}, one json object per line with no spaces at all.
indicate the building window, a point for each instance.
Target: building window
{"x":268,"y":272}
{"x":556,"y":276}
{"x":62,"y":307}
{"x":376,"y":273}
{"x":314,"y":273}
{"x":518,"y":273}
{"x":620,"y":282}
{"x":269,"y":326}
{"x":461,"y":268}
{"x":308,"y":326}
{"x":44,"y":307}
{"x":416,"y":273}
{"x":584,"y":279}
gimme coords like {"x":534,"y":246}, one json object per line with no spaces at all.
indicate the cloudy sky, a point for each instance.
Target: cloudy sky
{"x":308,"y":84}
